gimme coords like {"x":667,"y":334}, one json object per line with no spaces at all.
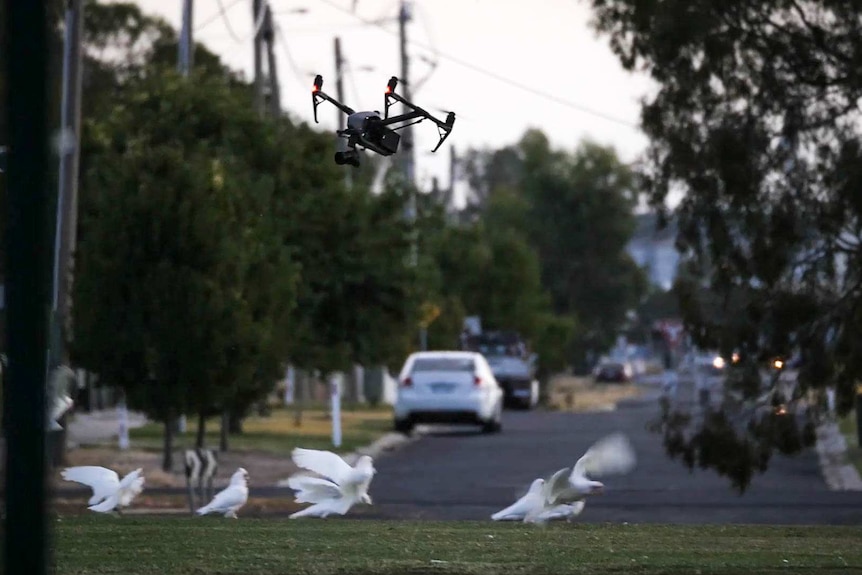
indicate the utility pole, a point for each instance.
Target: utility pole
{"x":272,"y":71}
{"x":404,"y":80}
{"x":407,"y":138}
{"x":185,"y":63}
{"x":450,"y":192}
{"x":28,"y":250}
{"x":186,"y":59}
{"x":67,"y":193}
{"x":341,"y":143}
{"x":256,"y":8}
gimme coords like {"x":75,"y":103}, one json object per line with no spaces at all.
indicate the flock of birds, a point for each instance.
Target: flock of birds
{"x":332,"y":486}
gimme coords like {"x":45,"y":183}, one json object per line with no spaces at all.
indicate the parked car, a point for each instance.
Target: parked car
{"x":517,"y":378}
{"x":613,"y":372}
{"x":454,"y":387}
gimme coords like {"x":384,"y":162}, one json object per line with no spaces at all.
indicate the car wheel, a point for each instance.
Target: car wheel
{"x":491,"y":426}
{"x":495,"y":424}
{"x":404,"y":426}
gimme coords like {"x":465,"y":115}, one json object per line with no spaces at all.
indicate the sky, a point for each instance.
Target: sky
{"x":503,"y":66}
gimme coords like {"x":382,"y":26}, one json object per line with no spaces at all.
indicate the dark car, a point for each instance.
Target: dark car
{"x":613,"y":372}
{"x":517,"y":378}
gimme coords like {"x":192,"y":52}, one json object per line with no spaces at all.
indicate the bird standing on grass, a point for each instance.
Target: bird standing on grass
{"x":109,"y":493}
{"x":231,"y":498}
{"x":340,"y":487}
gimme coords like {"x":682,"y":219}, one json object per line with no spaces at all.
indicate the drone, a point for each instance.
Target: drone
{"x":371,"y":132}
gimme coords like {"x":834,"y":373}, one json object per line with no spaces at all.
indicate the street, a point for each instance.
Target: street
{"x":465,"y":475}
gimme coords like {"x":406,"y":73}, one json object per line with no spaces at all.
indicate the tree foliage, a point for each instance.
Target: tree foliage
{"x":756,"y":121}
{"x":575,"y":212}
{"x":216,"y":245}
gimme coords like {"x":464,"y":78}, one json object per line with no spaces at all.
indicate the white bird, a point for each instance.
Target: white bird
{"x":611,"y":455}
{"x":231,"y":498}
{"x":517,"y":510}
{"x":533,"y":500}
{"x":109,"y":493}
{"x":340,"y":487}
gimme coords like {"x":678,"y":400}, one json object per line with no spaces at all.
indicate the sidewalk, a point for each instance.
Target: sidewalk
{"x":840,"y":474}
{"x":98,"y":426}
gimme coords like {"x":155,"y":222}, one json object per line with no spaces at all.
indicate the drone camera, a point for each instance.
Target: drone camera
{"x":381,"y":139}
{"x":350,"y":157}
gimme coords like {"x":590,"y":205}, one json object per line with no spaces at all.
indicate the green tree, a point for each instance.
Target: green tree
{"x":176,"y":239}
{"x":755,"y":121}
{"x":581,"y":219}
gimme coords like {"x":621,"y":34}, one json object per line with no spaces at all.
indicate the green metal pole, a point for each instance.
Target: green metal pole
{"x":28,"y":260}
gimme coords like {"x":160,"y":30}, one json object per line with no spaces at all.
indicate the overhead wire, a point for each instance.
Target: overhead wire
{"x":432,"y":62}
{"x":297,"y":71}
{"x":494,"y":75}
{"x":226,"y":20}
{"x":220,"y":14}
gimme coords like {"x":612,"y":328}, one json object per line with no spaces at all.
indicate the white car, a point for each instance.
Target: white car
{"x":455,"y":387}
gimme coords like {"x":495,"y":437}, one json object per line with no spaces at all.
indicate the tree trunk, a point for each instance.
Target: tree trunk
{"x":202,"y":429}
{"x":225,"y":424}
{"x":234,"y":426}
{"x":168,"y":455}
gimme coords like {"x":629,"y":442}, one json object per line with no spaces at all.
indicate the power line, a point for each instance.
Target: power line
{"x":226,"y":20}
{"x":491,"y":74}
{"x":221,"y":13}
{"x":300,"y":75}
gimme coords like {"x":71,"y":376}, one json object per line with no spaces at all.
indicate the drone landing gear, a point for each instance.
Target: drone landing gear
{"x":350,"y":157}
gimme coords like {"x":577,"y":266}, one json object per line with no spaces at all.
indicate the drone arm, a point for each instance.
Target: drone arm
{"x":403,"y":118}
{"x":417,"y":112}
{"x":318,"y":95}
{"x":444,"y":130}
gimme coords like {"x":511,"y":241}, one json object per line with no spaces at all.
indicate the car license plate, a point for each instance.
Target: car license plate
{"x":442,"y":387}
{"x":521,"y":393}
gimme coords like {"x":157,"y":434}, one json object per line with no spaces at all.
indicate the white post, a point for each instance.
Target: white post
{"x":123,"y":417}
{"x":335,"y":391}
{"x":289,"y":385}
{"x":181,"y":425}
{"x":359,"y":377}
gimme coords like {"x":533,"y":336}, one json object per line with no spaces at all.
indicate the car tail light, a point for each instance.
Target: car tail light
{"x":406,"y":382}
{"x":477,"y":380}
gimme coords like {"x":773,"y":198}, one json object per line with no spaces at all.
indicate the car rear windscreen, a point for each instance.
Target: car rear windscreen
{"x":464,"y":364}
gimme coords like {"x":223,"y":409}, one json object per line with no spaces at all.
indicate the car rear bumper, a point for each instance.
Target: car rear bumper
{"x":517,"y":389}
{"x":431,"y":409}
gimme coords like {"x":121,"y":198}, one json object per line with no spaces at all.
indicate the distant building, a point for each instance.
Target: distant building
{"x":654,"y":250}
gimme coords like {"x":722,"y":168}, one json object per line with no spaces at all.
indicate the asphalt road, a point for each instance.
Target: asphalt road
{"x":461,"y":475}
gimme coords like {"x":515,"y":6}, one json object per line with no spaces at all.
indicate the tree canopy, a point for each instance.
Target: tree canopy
{"x":755,"y":122}
{"x":575,"y":212}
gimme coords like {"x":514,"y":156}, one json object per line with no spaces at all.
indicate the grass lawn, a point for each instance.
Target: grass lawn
{"x":278,"y":432}
{"x":213,"y":545}
{"x":847,"y":425}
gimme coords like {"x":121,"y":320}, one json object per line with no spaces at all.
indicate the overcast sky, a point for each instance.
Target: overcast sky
{"x":486,"y":52}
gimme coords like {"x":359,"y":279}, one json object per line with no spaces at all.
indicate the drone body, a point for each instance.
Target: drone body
{"x":369,"y":131}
